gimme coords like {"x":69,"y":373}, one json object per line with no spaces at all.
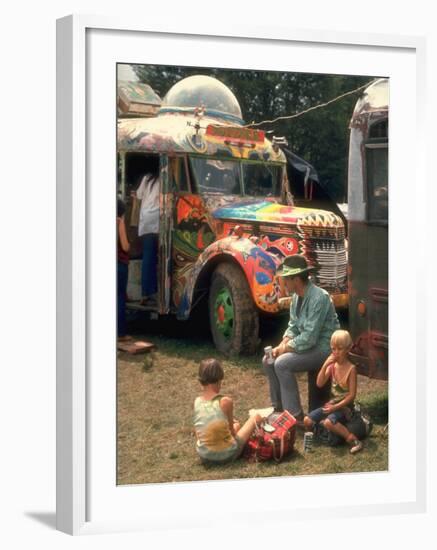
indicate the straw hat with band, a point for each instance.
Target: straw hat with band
{"x":293,"y":266}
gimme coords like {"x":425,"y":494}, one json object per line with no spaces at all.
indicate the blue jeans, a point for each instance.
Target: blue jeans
{"x":341,"y":415}
{"x":122,"y":276}
{"x":149,"y":264}
{"x":284,"y":391}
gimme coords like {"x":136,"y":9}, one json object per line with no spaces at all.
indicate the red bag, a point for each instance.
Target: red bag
{"x":263,"y":445}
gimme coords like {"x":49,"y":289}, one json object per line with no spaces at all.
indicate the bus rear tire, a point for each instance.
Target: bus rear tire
{"x":234,"y":319}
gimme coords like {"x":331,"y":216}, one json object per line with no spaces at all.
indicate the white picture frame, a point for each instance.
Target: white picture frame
{"x":78,"y":423}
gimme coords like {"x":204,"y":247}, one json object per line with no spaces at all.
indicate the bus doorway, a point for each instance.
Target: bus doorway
{"x":137,"y":170}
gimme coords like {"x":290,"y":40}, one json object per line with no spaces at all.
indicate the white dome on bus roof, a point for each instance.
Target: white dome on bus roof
{"x":199,"y":90}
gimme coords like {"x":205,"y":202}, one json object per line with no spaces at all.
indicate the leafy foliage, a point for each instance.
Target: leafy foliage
{"x":320,"y":137}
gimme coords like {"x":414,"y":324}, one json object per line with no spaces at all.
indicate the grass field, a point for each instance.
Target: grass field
{"x":155,"y":398}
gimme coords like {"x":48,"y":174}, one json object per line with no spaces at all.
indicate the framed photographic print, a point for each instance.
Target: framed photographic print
{"x":201,"y":177}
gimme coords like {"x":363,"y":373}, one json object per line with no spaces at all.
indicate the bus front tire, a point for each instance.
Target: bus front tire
{"x":234,"y":319}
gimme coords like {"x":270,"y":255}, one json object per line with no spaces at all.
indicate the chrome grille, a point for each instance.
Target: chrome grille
{"x":326,"y":233}
{"x":329,"y":256}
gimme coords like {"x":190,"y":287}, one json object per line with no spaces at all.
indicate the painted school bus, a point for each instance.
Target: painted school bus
{"x":368,"y":230}
{"x":227,"y":218}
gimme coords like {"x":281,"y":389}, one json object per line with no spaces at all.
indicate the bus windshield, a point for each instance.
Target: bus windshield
{"x":225,"y":177}
{"x":216,"y":176}
{"x":261,"y":180}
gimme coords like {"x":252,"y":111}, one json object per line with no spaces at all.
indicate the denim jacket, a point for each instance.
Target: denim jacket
{"x":316,"y":322}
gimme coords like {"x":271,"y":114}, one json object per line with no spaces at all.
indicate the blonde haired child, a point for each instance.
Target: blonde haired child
{"x":220,"y":438}
{"x":343,"y":374}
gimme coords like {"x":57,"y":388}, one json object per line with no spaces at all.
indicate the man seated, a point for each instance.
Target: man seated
{"x":306,"y":342}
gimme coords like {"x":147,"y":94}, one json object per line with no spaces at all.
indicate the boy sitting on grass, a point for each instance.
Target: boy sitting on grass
{"x":343,"y":374}
{"x":220,"y":439}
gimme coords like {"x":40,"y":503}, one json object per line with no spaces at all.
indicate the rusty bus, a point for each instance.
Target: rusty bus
{"x":368,"y":230}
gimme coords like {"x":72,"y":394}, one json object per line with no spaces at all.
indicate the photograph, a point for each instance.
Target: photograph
{"x":207,"y":343}
{"x":252,"y":273}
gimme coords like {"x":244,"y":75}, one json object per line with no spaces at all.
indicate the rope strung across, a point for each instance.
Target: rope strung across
{"x":288,"y":117}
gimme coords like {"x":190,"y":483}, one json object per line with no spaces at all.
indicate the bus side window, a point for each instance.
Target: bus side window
{"x":178,"y":174}
{"x":377,"y":182}
{"x":377,"y":171}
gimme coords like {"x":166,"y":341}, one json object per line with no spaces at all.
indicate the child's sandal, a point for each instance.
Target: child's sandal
{"x":356,"y":446}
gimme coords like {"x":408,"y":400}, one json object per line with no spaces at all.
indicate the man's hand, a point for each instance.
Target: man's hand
{"x":276,"y":352}
{"x":282,"y":348}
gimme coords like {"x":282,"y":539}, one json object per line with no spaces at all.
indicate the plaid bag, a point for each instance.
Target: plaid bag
{"x":263,"y":445}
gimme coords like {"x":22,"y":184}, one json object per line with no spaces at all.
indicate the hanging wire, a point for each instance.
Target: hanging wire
{"x":289,"y":117}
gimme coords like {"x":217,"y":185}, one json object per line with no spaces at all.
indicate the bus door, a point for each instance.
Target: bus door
{"x":165,"y":234}
{"x":175,"y":180}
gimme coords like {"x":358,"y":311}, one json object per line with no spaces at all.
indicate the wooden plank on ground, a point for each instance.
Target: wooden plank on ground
{"x":136,"y":346}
